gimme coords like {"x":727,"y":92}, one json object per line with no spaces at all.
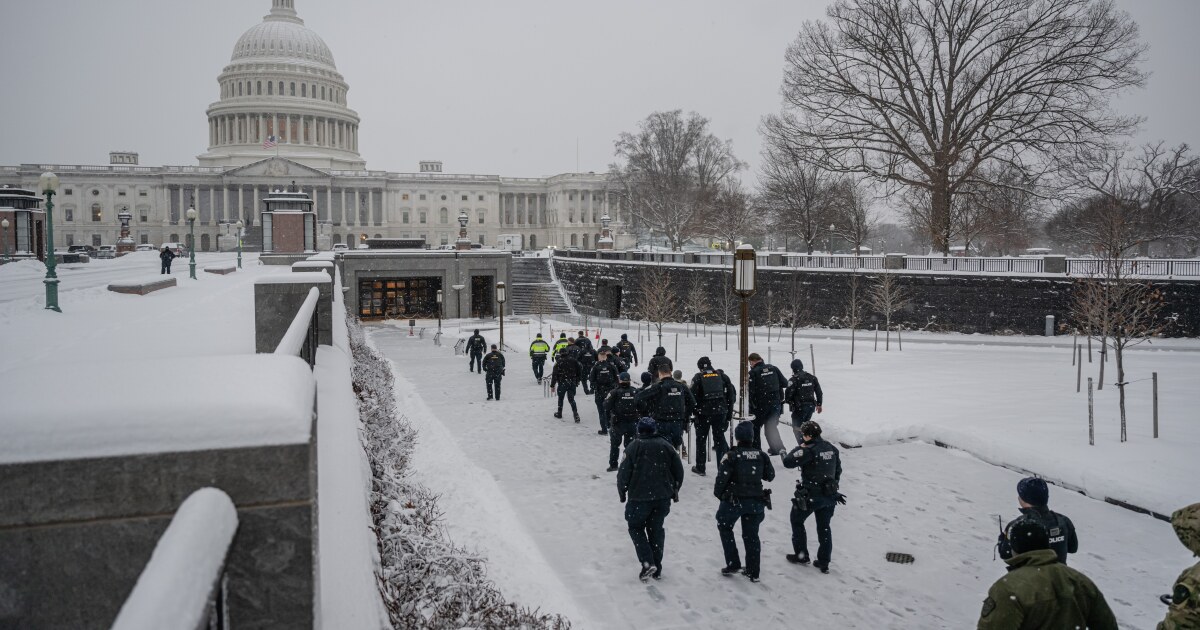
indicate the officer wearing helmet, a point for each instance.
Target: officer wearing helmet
{"x":715,"y":397}
{"x":803,"y":397}
{"x":820,"y":466}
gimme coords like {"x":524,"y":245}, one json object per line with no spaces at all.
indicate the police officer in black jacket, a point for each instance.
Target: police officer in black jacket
{"x":649,"y":477}
{"x":564,"y":378}
{"x":621,"y":405}
{"x":817,"y":493}
{"x":670,"y":403}
{"x":765,"y":385}
{"x":493,"y":369}
{"x":1033,"y":495}
{"x":715,"y":397}
{"x":626,"y":350}
{"x":476,"y":344}
{"x":740,"y":476}
{"x":658,"y":362}
{"x":603,"y":377}
{"x":587,"y":358}
{"x":803,"y":397}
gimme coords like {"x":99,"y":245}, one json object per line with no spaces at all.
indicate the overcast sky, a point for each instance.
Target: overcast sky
{"x":508,"y":88}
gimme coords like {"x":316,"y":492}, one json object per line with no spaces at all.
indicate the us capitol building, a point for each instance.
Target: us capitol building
{"x":282,"y":82}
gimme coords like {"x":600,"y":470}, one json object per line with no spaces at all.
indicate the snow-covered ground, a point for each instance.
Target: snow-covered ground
{"x":512,"y":473}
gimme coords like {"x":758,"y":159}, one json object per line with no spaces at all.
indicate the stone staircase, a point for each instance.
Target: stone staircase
{"x":531,"y":284}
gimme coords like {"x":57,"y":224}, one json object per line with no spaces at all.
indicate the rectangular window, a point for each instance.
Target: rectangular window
{"x":142,"y":216}
{"x":144,"y":239}
{"x":120,"y":193}
{"x":422,"y":197}
{"x":142,"y":193}
{"x":70,"y":213}
{"x":68,"y":192}
{"x":422,"y":217}
{"x":445,"y":239}
{"x":404,"y":217}
{"x":481,"y":197}
{"x":404,"y":197}
{"x":464,"y":197}
{"x":96,"y":240}
{"x":96,"y":212}
{"x":70,"y":239}
{"x":481,"y":216}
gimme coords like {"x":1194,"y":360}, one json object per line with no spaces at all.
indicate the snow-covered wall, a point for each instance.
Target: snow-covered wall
{"x":967,"y":303}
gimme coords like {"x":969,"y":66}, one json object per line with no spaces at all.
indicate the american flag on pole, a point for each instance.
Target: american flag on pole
{"x":269,"y":143}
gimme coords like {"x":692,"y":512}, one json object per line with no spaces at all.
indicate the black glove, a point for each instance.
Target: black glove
{"x":840,"y":498}
{"x":622,"y":497}
{"x":675,"y":496}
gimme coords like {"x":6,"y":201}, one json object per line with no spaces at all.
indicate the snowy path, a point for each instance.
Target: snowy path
{"x":939,"y":505}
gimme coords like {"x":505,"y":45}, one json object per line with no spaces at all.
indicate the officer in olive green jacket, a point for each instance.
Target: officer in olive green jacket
{"x":1185,"y":597}
{"x":1041,"y":593}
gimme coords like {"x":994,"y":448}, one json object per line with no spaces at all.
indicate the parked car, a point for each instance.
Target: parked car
{"x":178,"y":248}
{"x":84,"y":249}
{"x":106,"y":251}
{"x":145,"y":247}
{"x":340,"y":247}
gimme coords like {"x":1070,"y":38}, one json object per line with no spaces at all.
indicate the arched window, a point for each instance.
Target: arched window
{"x":205,"y":242}
{"x":585,"y":241}
{"x":270,"y":88}
{"x":443,"y":216}
{"x":258,"y":88}
{"x":482,"y":214}
{"x":532,"y":241}
{"x":303,"y":89}
{"x":281,"y":88}
{"x":96,"y":212}
{"x":322,"y":92}
{"x":337,"y":238}
{"x":292,"y":90}
{"x":239,"y":88}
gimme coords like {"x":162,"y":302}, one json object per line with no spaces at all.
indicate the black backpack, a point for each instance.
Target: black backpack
{"x":712,"y":386}
{"x":606,"y":377}
{"x":671,"y":398}
{"x":626,"y":407}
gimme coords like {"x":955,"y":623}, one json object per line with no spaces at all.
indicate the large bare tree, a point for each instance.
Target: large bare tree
{"x":735,"y":215}
{"x":796,"y":194}
{"x":853,"y":217}
{"x":922,"y":94}
{"x":658,"y":300}
{"x":670,"y":172}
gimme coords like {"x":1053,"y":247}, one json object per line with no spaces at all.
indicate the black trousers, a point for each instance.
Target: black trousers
{"x":620,"y":434}
{"x":717,"y":425}
{"x":751,"y":513}
{"x":166,"y":267}
{"x":493,"y":380}
{"x":645,"y":520}
{"x":569,"y":393}
{"x":476,"y":361}
{"x":539,"y":367}
{"x":823,"y":508}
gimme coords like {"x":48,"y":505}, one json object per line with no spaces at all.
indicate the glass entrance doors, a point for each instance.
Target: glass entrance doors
{"x":407,"y":298}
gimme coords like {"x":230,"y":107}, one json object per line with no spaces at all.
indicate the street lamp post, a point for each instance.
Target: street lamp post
{"x":829,"y":240}
{"x":191,"y":219}
{"x":5,"y":224}
{"x":745,"y":266}
{"x":439,"y":310}
{"x":458,"y":297}
{"x":48,"y":183}
{"x":501,"y":298}
{"x":239,"y":226}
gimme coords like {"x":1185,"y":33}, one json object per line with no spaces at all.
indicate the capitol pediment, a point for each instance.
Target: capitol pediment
{"x":276,"y":167}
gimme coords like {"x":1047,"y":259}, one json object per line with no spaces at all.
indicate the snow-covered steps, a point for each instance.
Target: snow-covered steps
{"x":534,"y":290}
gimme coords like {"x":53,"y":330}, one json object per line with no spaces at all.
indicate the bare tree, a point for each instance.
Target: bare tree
{"x":796,"y":311}
{"x":539,"y":304}
{"x":854,"y":308}
{"x":698,"y":298}
{"x":670,"y":173}
{"x":922,"y":94}
{"x":1014,"y":207}
{"x":853,"y":217}
{"x":1124,"y":313}
{"x":728,"y":302}
{"x":796,"y":194}
{"x":887,"y":297}
{"x":658,"y":301}
{"x":735,"y":215}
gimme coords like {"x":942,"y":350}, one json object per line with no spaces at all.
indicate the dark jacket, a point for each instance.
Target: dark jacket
{"x":667,"y":401}
{"x":628,"y":352}
{"x":476,"y":344}
{"x":621,"y":404}
{"x":493,"y":363}
{"x":820,"y":466}
{"x":741,"y":473}
{"x":658,"y":363}
{"x":651,"y":470}
{"x":586,"y":356}
{"x":803,"y":389}
{"x":167,"y":255}
{"x":765,"y":389}
{"x":584,"y":343}
{"x":1041,"y":592}
{"x":1062,"y":532}
{"x":566,"y":372}
{"x":714,"y":393}
{"x":601,"y":371}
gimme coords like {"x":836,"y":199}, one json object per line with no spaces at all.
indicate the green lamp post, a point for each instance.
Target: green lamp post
{"x":5,"y":224}
{"x":48,"y":184}
{"x":239,"y":226}
{"x":191,"y":218}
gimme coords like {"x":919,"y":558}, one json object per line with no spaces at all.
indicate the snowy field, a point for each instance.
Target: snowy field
{"x":517,"y":479}
{"x":530,"y":491}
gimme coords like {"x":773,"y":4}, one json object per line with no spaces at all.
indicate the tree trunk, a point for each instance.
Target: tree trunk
{"x":1103,"y":346}
{"x":939,"y":213}
{"x":852,"y":345}
{"x":1117,"y":348}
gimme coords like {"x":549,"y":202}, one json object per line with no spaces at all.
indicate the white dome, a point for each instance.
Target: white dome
{"x":279,"y":39}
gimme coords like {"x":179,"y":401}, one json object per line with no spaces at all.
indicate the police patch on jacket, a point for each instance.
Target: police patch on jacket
{"x":989,"y":605}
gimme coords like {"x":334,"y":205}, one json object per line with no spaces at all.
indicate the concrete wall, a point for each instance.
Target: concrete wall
{"x":277,"y":300}
{"x":75,"y":534}
{"x":452,"y":267}
{"x":968,"y":303}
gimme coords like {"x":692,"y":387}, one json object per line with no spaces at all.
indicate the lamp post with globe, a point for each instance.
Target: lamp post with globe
{"x":745,"y":267}
{"x":191,"y":219}
{"x":501,"y":298}
{"x":48,"y":184}
{"x":5,"y":224}
{"x":239,"y":225}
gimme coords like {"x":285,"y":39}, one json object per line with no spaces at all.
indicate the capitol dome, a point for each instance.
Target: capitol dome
{"x":282,"y":94}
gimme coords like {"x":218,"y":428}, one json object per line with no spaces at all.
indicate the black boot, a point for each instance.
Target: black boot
{"x":732,"y":568}
{"x":797,"y":559}
{"x":558,"y":414}
{"x":657,"y":572}
{"x":647,"y":569}
{"x":698,"y":471}
{"x":577,"y":418}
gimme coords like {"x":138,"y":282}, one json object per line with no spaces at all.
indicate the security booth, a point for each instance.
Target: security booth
{"x":289,"y":224}
{"x":389,"y":281}
{"x":25,"y":236}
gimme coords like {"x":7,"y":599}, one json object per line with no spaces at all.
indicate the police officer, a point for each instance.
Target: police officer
{"x":803,"y":397}
{"x":659,"y":362}
{"x":740,"y":476}
{"x":587,"y":359}
{"x":627,"y":351}
{"x":476,"y":344}
{"x":564,"y":378}
{"x":621,"y":405}
{"x":559,"y":345}
{"x":817,"y":493}
{"x":1033,"y":495}
{"x":1184,"y":612}
{"x":493,"y":368}
{"x":766,"y":384}
{"x":538,"y":351}
{"x":670,"y":403}
{"x":650,"y":476}
{"x":715,"y":396}
{"x":583,"y":342}
{"x":603,"y":377}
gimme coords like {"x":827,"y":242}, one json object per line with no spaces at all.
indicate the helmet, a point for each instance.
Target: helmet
{"x":1186,"y":522}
